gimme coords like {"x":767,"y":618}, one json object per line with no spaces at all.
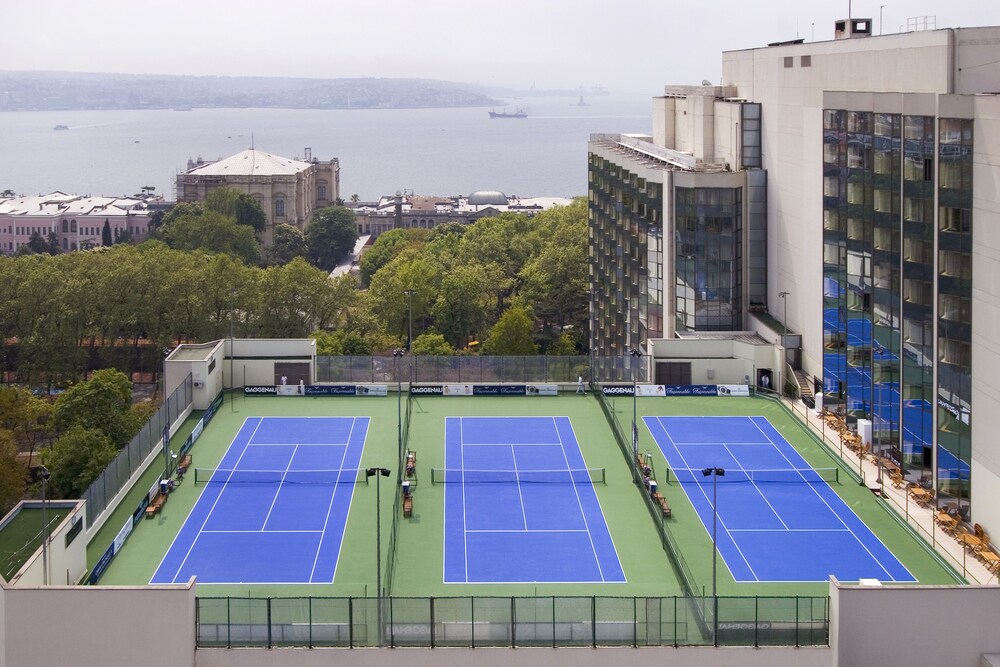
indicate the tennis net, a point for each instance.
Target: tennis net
{"x":316,"y":477}
{"x":759,"y":475}
{"x":556,"y":476}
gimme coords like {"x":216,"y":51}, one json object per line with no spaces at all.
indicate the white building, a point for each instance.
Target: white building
{"x":288,"y":189}
{"x":76,"y":221}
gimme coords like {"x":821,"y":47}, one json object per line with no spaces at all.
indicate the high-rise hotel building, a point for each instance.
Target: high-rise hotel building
{"x":852,"y":188}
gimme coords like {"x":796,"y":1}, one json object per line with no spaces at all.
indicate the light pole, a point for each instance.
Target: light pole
{"x":409,"y":335}
{"x":396,"y":355}
{"x":43,"y":473}
{"x":635,"y":422}
{"x":784,"y":322}
{"x":378,"y":473}
{"x":716,"y":473}
{"x":880,"y":8}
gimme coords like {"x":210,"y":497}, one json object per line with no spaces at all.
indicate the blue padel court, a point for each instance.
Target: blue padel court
{"x":275,"y":509}
{"x":520,"y":505}
{"x":779,"y":520}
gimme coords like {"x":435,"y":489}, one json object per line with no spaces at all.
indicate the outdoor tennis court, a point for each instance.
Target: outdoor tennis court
{"x":779,"y":520}
{"x":275,"y":509}
{"x":520,"y":504}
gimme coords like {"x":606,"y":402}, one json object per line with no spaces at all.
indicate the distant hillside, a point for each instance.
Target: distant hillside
{"x":38,"y":91}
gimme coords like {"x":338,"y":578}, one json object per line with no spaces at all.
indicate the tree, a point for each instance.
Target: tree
{"x":213,"y":232}
{"x":76,"y":459}
{"x":355,"y":199}
{"x":106,"y":239}
{"x":331,"y":236}
{"x":13,"y":473}
{"x":287,"y":244}
{"x":460,"y":308}
{"x":432,"y":344}
{"x":26,"y":416}
{"x":38,"y":244}
{"x":53,"y":242}
{"x":511,"y":335}
{"x":101,"y":403}
{"x":386,"y":247}
{"x":563,"y":346}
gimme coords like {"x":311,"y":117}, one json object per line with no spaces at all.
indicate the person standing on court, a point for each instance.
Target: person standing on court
{"x":579,"y":385}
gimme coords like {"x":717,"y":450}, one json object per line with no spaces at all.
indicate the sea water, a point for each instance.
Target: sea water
{"x":438,"y":152}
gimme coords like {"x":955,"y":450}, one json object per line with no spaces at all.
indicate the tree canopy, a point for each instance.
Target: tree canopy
{"x":331,"y":236}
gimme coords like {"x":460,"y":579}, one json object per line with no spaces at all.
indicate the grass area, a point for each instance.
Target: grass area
{"x":418,"y":541}
{"x":22,"y":537}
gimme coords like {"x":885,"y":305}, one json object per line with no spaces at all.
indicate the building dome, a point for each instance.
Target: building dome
{"x":487,"y":198}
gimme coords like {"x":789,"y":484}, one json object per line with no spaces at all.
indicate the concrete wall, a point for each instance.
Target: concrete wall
{"x":251,"y":361}
{"x":913,"y":625}
{"x":66,"y":565}
{"x":93,"y":626}
{"x":730,"y":360}
{"x":986,"y":313}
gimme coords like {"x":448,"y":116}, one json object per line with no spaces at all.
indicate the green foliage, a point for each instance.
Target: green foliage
{"x":106,"y":239}
{"x":287,"y":243}
{"x":564,"y":346}
{"x":331,"y":236}
{"x":26,"y":416}
{"x":432,"y":344}
{"x":13,"y":473}
{"x":37,"y":244}
{"x":511,"y":335}
{"x":76,"y":459}
{"x":102,"y":403}
{"x":249,"y":212}
{"x":213,"y":232}
{"x":340,"y":343}
{"x":386,"y":247}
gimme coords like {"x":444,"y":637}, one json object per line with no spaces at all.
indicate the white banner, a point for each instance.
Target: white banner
{"x":649,"y":390}
{"x":290,"y":390}
{"x":458,"y":390}
{"x":542,"y":390}
{"x":373,"y":390}
{"x":733,"y":390}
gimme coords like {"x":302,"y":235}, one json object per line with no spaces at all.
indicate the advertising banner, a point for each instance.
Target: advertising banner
{"x":372,"y":390}
{"x":290,"y":390}
{"x":458,"y":390}
{"x":650,"y":390}
{"x":734,"y":390}
{"x":542,"y":390}
{"x":426,"y":390}
{"x":618,"y":390}
{"x":331,"y":390}
{"x":691,"y":390}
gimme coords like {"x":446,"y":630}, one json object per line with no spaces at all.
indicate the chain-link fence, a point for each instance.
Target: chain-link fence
{"x":120,"y":470}
{"x":480,"y":369}
{"x":512,"y":621}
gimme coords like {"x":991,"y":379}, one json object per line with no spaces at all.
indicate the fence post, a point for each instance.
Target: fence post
{"x":472,"y":618}
{"x":797,"y":621}
{"x":432,"y":622}
{"x":229,"y":622}
{"x":269,"y":644}
{"x":513,"y":624}
{"x":350,"y":622}
{"x":310,"y":621}
{"x":593,"y":619}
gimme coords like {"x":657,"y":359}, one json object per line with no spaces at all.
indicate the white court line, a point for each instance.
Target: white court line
{"x":757,"y":488}
{"x":520,"y":496}
{"x":277,"y":493}
{"x":329,"y":508}
{"x":708,"y":500}
{"x":833,"y":511}
{"x":531,"y":530}
{"x":214,"y":504}
{"x":255,"y":532}
{"x":579,"y":501}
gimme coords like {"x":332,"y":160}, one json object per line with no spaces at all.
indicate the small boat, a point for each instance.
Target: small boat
{"x":520,"y":113}
{"x":61,"y":127}
{"x":582,"y":103}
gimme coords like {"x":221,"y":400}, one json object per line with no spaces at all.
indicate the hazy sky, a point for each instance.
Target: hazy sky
{"x":623,"y":45}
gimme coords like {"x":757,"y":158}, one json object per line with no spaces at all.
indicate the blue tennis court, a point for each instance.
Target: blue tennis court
{"x":275,"y":509}
{"x":778,"y":520}
{"x":520,"y":505}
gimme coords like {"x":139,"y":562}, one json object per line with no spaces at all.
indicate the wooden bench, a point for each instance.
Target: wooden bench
{"x":407,"y":506}
{"x":155,"y":505}
{"x":658,"y":497}
{"x":183,"y":466}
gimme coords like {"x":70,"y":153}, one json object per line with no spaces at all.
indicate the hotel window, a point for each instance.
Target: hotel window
{"x":321,"y":191}
{"x":279,"y":207}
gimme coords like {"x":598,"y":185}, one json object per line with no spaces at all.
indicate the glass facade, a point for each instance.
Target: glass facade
{"x":891,"y":268}
{"x":708,"y":227}
{"x":626,"y":257}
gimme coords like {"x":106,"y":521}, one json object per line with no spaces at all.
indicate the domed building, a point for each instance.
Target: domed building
{"x":488,"y":198}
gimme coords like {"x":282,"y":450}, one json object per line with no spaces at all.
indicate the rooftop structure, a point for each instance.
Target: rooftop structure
{"x":76,"y":221}
{"x":407,"y":210}
{"x":288,"y":190}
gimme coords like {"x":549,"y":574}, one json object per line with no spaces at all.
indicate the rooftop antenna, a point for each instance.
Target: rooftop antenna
{"x":251,"y":141}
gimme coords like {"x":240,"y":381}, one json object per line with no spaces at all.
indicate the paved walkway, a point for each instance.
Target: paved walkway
{"x":920,"y":518}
